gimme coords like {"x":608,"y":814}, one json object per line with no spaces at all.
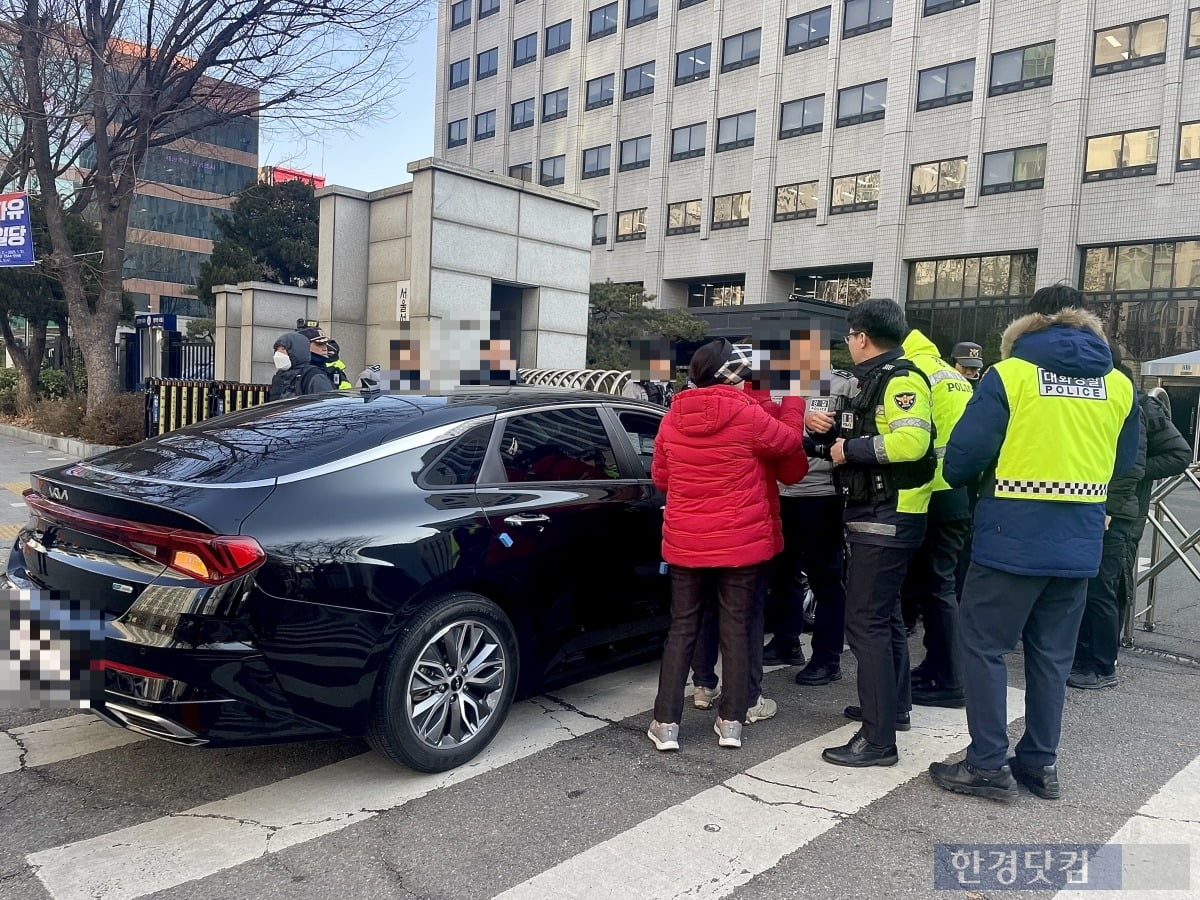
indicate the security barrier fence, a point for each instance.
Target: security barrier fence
{"x":173,"y":402}
{"x":604,"y":381}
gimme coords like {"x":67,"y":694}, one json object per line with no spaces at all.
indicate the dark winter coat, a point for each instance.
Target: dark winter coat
{"x":713,"y":459}
{"x":1035,"y":537}
{"x":303,"y":377}
{"x":1167,"y":451}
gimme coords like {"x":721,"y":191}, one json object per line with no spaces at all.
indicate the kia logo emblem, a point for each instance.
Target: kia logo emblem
{"x":56,"y":493}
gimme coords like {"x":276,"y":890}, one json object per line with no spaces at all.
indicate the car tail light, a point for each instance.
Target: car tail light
{"x":212,"y":559}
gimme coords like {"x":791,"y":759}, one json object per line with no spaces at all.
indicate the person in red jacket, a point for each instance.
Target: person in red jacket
{"x":720,"y":524}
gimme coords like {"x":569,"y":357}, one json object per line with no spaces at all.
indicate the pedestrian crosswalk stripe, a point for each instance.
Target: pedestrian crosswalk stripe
{"x":172,"y":850}
{"x":60,"y":739}
{"x":721,"y":838}
{"x":1170,"y":817}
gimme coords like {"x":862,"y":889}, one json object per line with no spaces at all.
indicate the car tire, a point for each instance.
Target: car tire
{"x":427,"y":713}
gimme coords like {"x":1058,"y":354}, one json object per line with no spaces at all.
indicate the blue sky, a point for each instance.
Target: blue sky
{"x":378,"y":155}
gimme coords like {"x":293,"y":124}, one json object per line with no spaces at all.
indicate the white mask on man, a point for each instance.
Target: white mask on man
{"x":282,"y":361}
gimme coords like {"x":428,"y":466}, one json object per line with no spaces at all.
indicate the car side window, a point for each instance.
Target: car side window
{"x":641,"y":429}
{"x":557,"y":445}
{"x":459,"y":464}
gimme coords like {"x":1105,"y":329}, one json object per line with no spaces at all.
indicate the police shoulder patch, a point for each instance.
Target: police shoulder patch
{"x":905,"y":400}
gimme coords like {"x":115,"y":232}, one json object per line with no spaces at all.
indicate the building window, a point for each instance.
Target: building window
{"x":460,"y":73}
{"x":855,"y":193}
{"x":796,"y":201}
{"x":554,"y":105}
{"x":1161,"y":266}
{"x":602,"y":22}
{"x":600,"y":229}
{"x":631,"y":225}
{"x":684,"y":4}
{"x":485,"y":64}
{"x":639,"y":81}
{"x":640,"y":11}
{"x":808,"y":31}
{"x":863,"y":103}
{"x":741,"y":50}
{"x":600,"y":92}
{"x":558,"y":38}
{"x":524,"y":50}
{"x":1193,"y":43}
{"x":485,"y":125}
{"x":460,"y":14}
{"x":735,"y":131}
{"x":945,"y":179}
{"x":522,"y":115}
{"x":716,"y":293}
{"x":731,"y":210}
{"x":1189,"y":146}
{"x":693,"y":65}
{"x":1022,"y":169}
{"x":1000,"y":275}
{"x":1022,"y":69}
{"x":801,"y":116}
{"x":635,"y":153}
{"x":946,"y":85}
{"x":521,"y":171}
{"x":456,"y":133}
{"x":933,"y":7}
{"x":488,"y":8}
{"x":688,"y":142}
{"x":862,"y":16}
{"x":683,"y":218}
{"x":1122,"y":155}
{"x":1132,"y":46}
{"x":553,"y":171}
{"x":596,"y":161}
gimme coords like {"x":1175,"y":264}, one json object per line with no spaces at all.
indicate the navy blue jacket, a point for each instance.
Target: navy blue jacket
{"x":1035,"y":537}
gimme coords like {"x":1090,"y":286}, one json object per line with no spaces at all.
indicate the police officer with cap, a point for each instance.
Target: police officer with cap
{"x":1048,"y":427}
{"x":968,"y":360}
{"x":884,"y":462}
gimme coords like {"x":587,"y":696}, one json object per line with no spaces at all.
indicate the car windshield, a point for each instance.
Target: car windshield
{"x":275,"y":440}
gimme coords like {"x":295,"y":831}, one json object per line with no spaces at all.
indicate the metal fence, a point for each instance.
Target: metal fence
{"x":173,"y":403}
{"x":604,"y":381}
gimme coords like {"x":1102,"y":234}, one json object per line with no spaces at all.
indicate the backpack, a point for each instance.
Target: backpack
{"x":296,"y":382}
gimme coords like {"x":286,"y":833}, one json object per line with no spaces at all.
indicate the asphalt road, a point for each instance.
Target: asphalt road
{"x":573,"y":801}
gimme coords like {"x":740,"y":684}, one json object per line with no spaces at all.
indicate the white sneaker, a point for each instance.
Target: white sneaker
{"x":665,"y":737}
{"x":705,"y":697}
{"x":763,"y":709}
{"x":729,"y":734}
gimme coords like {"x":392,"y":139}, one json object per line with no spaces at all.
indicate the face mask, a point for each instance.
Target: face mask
{"x":282,"y":360}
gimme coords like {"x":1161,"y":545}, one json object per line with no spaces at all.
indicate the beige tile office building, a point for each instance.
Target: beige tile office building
{"x":951,"y":154}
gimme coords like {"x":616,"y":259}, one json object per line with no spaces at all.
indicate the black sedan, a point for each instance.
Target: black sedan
{"x":399,"y":566}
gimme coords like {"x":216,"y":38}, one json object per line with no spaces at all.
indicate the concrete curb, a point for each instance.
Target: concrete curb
{"x":73,"y":446}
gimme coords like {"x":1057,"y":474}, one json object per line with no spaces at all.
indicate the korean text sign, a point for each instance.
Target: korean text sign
{"x":16,"y":236}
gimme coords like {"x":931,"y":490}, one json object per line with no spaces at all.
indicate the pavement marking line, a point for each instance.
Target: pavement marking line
{"x":1171,"y":816}
{"x":719,"y":839}
{"x":17,"y":487}
{"x":172,"y":850}
{"x":9,"y":532}
{"x":59,"y":740}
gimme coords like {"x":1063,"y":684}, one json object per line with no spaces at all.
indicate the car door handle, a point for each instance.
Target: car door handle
{"x":527,"y":519}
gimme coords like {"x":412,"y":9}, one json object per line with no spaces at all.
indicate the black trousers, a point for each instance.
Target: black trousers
{"x":813,"y":543}
{"x":691,"y":590}
{"x":1100,"y":629}
{"x":930,"y":587}
{"x":704,"y":657}
{"x":875,"y":629}
{"x":1044,"y":612}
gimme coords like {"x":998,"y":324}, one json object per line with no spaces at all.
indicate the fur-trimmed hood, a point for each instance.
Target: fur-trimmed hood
{"x":1071,"y":342}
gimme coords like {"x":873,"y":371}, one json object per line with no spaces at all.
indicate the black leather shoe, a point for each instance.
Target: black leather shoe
{"x":1041,"y":780}
{"x":936,"y":695}
{"x":964,"y":778}
{"x":813,"y":674}
{"x":854,"y":714}
{"x":859,"y":753}
{"x":783,"y":652}
{"x":1091,"y":681}
{"x":922,"y":678}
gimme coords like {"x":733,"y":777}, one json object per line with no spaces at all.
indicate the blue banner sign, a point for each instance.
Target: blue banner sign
{"x":16,"y":235}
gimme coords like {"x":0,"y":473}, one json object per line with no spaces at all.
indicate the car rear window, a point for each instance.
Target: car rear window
{"x":275,"y":440}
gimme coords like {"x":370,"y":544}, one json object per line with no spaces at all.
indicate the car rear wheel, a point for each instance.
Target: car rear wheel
{"x":447,"y":685}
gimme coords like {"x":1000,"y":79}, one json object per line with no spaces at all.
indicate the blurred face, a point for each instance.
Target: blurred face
{"x":497,"y":356}
{"x":405,"y":356}
{"x":660,"y":370}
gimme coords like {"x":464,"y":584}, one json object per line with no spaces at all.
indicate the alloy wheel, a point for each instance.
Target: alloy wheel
{"x":455,"y":683}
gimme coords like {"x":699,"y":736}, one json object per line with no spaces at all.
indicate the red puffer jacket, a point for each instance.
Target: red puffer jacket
{"x":714,"y":458}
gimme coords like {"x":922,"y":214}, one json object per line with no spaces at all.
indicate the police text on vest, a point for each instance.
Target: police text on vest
{"x":1051,"y":384}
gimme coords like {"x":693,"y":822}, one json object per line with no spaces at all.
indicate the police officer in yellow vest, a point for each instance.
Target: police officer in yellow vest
{"x":1048,"y":427}
{"x":884,"y":462}
{"x":930,"y":586}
